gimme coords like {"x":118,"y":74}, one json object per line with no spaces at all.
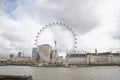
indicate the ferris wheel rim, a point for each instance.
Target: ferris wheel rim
{"x":63,"y":25}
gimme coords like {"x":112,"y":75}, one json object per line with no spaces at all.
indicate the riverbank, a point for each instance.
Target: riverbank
{"x":70,"y":65}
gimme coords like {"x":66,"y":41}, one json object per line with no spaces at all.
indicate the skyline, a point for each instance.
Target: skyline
{"x":96,"y":23}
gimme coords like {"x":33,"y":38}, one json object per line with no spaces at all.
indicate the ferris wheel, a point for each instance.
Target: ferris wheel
{"x":59,"y":32}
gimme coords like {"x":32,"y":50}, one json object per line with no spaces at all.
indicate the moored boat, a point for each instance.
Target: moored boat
{"x":15,"y":77}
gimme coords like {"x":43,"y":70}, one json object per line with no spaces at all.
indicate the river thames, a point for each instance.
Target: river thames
{"x":79,"y":73}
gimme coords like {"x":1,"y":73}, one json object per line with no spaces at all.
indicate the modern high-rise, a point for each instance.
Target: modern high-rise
{"x":19,"y":54}
{"x":35,"y":55}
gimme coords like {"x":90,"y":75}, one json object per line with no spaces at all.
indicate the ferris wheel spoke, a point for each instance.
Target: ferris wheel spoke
{"x":57,"y":23}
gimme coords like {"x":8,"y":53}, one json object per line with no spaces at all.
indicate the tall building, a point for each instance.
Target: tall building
{"x":11,"y":56}
{"x":44,"y":52}
{"x":19,"y":54}
{"x":35,"y":55}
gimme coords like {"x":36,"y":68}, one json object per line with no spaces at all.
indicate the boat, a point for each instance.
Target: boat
{"x":15,"y":77}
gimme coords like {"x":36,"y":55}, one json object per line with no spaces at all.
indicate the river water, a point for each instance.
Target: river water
{"x":79,"y":73}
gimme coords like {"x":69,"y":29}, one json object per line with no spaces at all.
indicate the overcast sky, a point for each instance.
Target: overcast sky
{"x":95,"y":22}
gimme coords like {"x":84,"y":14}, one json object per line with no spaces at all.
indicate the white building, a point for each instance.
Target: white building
{"x":116,"y":58}
{"x":104,"y":58}
{"x":44,"y":52}
{"x":100,"y":58}
{"x":76,"y":59}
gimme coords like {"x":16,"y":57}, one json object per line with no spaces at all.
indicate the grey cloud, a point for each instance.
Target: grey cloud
{"x":13,"y":40}
{"x":116,"y":35}
{"x":12,"y":36}
{"x":78,"y":14}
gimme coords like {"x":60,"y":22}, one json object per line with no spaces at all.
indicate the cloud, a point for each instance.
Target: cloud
{"x":96,"y":23}
{"x":17,"y":34}
{"x":78,"y":14}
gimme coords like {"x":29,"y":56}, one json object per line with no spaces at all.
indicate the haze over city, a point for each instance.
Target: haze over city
{"x":96,"y":23}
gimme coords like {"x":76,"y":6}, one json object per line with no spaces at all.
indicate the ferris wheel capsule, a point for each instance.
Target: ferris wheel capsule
{"x":43,"y":28}
{"x":38,"y":33}
{"x":47,"y":25}
{"x":75,"y":46}
{"x":75,"y":42}
{"x":60,"y":23}
{"x":64,"y":24}
{"x":57,"y":23}
{"x":36,"y":36}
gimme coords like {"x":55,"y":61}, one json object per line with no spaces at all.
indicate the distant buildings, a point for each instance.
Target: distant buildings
{"x":19,"y":54}
{"x":11,"y":56}
{"x":16,"y":60}
{"x":23,"y":61}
